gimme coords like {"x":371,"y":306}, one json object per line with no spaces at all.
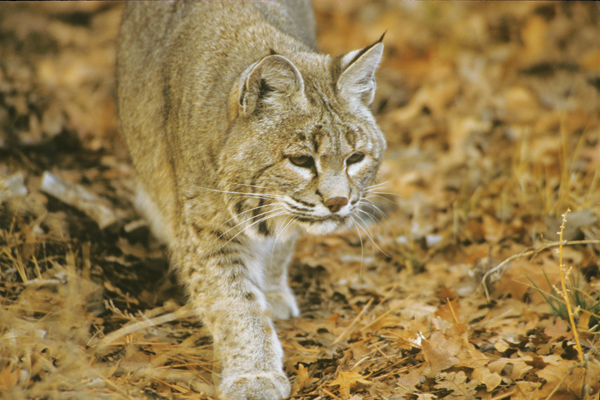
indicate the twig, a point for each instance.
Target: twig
{"x":504,"y":395}
{"x":529,"y":252}
{"x":572,"y":366}
{"x":354,"y":322}
{"x":115,"y":387}
{"x":564,"y":293}
{"x":183,"y":312}
{"x":391,"y":310}
{"x":172,"y":385}
{"x":329,"y":393}
{"x":452,"y":310}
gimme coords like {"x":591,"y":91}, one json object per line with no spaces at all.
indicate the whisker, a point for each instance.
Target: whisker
{"x":285,"y":228}
{"x":379,"y":197}
{"x":370,"y":215}
{"x":249,"y":219}
{"x":388,"y":193}
{"x":362,"y":249}
{"x":259,"y":195}
{"x":257,"y":222}
{"x":252,"y":209}
{"x":367,"y":233}
{"x":379,"y":184}
{"x":369,"y":203}
{"x":288,"y":219}
{"x":243,"y":184}
{"x":264,"y":196}
{"x":278,"y":208}
{"x":367,"y":214}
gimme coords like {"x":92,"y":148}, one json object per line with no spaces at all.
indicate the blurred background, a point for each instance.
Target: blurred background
{"x":491,"y":113}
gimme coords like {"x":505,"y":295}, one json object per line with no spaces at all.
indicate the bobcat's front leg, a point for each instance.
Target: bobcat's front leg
{"x":227,"y":294}
{"x":280,"y":296}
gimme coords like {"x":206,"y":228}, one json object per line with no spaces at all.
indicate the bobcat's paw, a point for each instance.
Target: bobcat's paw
{"x":283,"y":303}
{"x":260,"y":386}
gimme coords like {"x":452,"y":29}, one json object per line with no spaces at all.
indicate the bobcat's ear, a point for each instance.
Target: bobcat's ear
{"x":268,"y":79}
{"x":357,"y":80}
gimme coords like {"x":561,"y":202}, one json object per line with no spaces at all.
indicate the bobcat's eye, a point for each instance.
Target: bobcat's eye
{"x":303,"y":161}
{"x":355,"y":158}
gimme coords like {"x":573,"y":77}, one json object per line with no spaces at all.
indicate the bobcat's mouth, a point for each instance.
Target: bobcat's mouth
{"x":316,"y":220}
{"x":322,"y":225}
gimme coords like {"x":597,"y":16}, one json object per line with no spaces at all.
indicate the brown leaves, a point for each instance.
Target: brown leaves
{"x":456,"y":383}
{"x":348,"y":380}
{"x":9,"y":377}
{"x":303,"y":379}
{"x":439,"y":352}
{"x":491,"y":380}
{"x":54,"y":94}
{"x":490,"y":112}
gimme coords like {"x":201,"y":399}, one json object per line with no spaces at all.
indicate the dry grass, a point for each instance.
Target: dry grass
{"x":492,"y":117}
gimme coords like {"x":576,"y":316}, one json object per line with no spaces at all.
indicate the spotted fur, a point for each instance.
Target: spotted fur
{"x":243,"y":136}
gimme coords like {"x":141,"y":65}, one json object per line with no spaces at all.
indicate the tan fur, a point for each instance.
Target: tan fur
{"x":242,"y":136}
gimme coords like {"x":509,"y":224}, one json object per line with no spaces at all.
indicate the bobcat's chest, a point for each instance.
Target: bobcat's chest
{"x":259,"y":254}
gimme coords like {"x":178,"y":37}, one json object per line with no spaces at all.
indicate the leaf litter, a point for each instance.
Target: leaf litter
{"x":491,"y":114}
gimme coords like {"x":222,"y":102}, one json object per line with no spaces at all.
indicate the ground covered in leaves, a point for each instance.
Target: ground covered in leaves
{"x":491,"y":114}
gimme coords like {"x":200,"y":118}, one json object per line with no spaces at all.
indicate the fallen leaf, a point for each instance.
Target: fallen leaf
{"x":568,"y":378}
{"x":9,"y":377}
{"x":439,"y":353}
{"x":516,"y":367}
{"x":348,"y":380}
{"x":557,"y":330}
{"x":409,"y":381}
{"x":303,"y":379}
{"x":456,"y":383}
{"x":526,"y":390}
{"x":491,"y":380}
{"x":449,"y":311}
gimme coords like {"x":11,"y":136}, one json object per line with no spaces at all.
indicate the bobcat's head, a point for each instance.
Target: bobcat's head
{"x":303,"y":147}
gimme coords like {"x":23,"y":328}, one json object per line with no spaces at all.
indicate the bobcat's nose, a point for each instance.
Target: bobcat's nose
{"x":336,"y":203}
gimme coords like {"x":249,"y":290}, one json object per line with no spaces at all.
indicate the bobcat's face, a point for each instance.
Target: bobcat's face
{"x":311,"y":168}
{"x":325,"y":171}
{"x":302,"y":152}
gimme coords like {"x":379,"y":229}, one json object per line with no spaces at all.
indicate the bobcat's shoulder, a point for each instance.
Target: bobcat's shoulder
{"x":242,"y":136}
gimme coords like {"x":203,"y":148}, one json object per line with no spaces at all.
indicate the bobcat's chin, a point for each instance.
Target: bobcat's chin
{"x":324,"y":226}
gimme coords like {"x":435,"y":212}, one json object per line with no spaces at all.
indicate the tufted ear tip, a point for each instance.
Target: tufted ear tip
{"x":358,"y":72}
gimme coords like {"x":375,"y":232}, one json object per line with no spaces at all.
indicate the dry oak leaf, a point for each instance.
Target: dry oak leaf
{"x":569,"y":377}
{"x":472,"y":358}
{"x":456,"y":383}
{"x":501,"y":346}
{"x":303,"y":379}
{"x":348,"y":380}
{"x":448,"y":311}
{"x":490,"y":379}
{"x":439,"y":352}
{"x":559,"y":329}
{"x":409,"y":382}
{"x":583,"y":323}
{"x":525,"y":390}
{"x":9,"y":377}
{"x":514,"y":367}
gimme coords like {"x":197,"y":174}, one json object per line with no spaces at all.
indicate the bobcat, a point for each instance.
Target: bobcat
{"x":243,"y":136}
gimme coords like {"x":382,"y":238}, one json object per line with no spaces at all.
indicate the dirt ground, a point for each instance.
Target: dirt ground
{"x":476,"y":276}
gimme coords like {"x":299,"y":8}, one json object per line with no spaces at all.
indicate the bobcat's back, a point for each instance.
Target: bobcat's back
{"x":243,"y":135}
{"x":177,"y":64}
